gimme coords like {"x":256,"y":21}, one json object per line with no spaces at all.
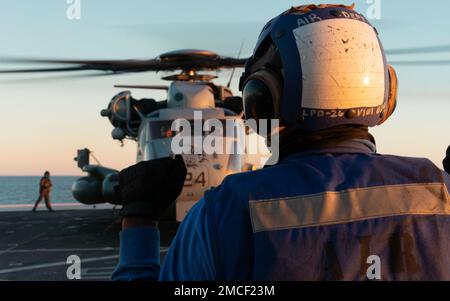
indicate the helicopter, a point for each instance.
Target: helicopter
{"x":148,"y":122}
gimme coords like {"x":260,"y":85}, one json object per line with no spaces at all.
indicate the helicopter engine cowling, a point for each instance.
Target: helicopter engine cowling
{"x":97,"y":187}
{"x":91,"y":190}
{"x":88,"y":190}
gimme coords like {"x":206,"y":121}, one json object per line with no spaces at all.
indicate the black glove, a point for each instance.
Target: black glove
{"x":446,"y":161}
{"x":148,"y":188}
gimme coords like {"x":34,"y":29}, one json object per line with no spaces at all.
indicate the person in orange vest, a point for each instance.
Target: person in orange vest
{"x":45,"y":187}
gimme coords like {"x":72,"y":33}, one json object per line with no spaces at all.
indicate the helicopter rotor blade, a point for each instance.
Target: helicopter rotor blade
{"x":113,"y":66}
{"x":178,"y":60}
{"x":419,"y":50}
{"x":44,"y":70}
{"x":64,"y":77}
{"x":422,"y":63}
{"x":149,"y":87}
{"x":161,"y":64}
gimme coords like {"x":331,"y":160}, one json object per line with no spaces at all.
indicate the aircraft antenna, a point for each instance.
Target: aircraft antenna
{"x":234,"y":69}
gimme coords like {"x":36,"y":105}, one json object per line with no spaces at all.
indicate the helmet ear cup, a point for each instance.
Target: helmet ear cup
{"x":393,"y":92}
{"x":262,"y":95}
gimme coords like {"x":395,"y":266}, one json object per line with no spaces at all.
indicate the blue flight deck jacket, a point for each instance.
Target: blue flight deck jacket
{"x":328,"y":214}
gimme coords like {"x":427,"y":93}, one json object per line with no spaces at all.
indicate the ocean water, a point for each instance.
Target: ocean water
{"x":25,"y":190}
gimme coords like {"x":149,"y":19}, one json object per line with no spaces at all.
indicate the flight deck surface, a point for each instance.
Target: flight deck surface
{"x":35,"y":246}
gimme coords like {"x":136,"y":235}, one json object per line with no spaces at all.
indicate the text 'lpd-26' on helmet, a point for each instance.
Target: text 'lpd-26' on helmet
{"x":319,"y":66}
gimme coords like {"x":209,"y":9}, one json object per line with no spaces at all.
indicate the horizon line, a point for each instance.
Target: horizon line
{"x":39,"y":175}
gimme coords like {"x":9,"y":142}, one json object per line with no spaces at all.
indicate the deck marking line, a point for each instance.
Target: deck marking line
{"x":54,"y":264}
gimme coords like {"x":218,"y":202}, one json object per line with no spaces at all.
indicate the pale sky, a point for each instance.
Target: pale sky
{"x":44,"y":122}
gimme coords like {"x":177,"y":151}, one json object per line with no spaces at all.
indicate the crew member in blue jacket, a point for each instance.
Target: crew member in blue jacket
{"x":332,"y":208}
